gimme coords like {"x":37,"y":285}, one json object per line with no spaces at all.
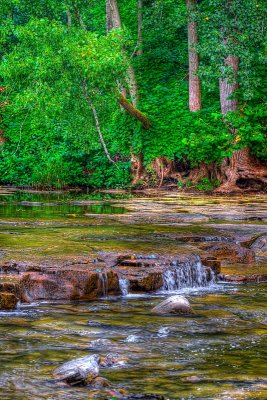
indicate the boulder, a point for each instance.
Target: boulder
{"x":173,"y":305}
{"x":8,"y":301}
{"x":81,"y":371}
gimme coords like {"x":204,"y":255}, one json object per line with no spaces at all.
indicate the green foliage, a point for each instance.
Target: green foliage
{"x":47,"y":123}
{"x":51,"y":172}
{"x":207,"y":185}
{"x":109,"y":176}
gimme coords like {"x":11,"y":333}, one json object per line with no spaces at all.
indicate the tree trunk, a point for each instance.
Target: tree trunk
{"x":113,"y":21}
{"x":194,"y":81}
{"x":140,"y":27}
{"x":112,"y":15}
{"x":69,"y":18}
{"x":240,"y":171}
{"x":227,"y":89}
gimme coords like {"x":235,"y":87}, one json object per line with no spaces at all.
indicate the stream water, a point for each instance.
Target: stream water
{"x":219,"y":353}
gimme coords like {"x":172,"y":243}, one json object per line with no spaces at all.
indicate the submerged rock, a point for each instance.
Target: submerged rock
{"x":100,"y":382}
{"x":173,"y":305}
{"x":111,"y":360}
{"x":81,"y":371}
{"x":8,"y":301}
{"x":255,"y":278}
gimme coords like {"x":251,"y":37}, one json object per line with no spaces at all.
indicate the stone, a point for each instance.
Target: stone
{"x":231,"y":253}
{"x":255,"y":278}
{"x":101,"y":343}
{"x":173,"y":305}
{"x":100,"y":382}
{"x":73,"y":283}
{"x":112,"y":360}
{"x":212,"y":263}
{"x":81,"y":371}
{"x":260,"y":244}
{"x":8,"y":301}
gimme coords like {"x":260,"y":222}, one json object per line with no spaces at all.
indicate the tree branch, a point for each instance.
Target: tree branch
{"x":89,"y":100}
{"x":134,"y":112}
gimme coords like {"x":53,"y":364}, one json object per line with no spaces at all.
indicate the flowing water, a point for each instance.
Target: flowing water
{"x":187,"y":277}
{"x":218,"y":353}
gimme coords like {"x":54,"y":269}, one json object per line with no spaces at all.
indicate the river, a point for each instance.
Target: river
{"x":218,"y":353}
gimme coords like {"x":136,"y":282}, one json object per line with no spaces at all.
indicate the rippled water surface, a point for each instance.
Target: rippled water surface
{"x":219,"y":353}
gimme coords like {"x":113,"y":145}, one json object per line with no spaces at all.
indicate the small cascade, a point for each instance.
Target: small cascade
{"x":124,"y":286}
{"x":185,"y":275}
{"x":104,"y":280}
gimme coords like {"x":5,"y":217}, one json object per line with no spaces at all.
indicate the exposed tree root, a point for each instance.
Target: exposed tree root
{"x":242,"y":172}
{"x":164,"y":169}
{"x":137,"y":169}
{"x":210,"y":171}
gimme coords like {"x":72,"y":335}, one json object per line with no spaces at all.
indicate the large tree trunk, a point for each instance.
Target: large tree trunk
{"x":240,"y":171}
{"x":228,"y":88}
{"x":112,"y":15}
{"x":194,"y":81}
{"x":113,"y":21}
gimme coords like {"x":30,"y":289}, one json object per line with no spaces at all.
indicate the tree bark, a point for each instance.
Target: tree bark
{"x":69,"y":18}
{"x":113,"y":19}
{"x":194,"y":81}
{"x":228,"y":88}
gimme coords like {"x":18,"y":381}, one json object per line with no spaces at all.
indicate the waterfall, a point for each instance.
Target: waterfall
{"x":124,"y":286}
{"x":185,"y":275}
{"x":104,"y":280}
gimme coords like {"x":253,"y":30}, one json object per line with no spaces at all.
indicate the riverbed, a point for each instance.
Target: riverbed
{"x":219,"y":353}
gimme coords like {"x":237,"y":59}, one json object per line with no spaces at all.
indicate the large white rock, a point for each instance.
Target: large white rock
{"x":173,"y":305}
{"x":80,"y":371}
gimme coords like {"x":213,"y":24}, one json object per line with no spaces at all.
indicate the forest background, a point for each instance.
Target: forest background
{"x":131,"y":93}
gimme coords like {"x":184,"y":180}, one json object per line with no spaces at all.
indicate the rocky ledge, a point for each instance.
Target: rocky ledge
{"x":109,"y":274}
